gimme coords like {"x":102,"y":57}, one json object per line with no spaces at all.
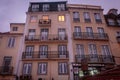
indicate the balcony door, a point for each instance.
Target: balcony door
{"x":106,"y":53}
{"x":31,"y":34}
{"x":101,"y":32}
{"x":62,"y":50}
{"x":29,"y":51}
{"x":6,"y":64}
{"x":80,"y":52}
{"x":61,"y":33}
{"x":77,"y":32}
{"x":44,"y":34}
{"x":43,"y":51}
{"x":89,"y":32}
{"x":93,"y":53}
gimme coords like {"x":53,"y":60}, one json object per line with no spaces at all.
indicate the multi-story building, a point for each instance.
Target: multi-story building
{"x":91,"y":49}
{"x":113,"y":29}
{"x":10,"y":49}
{"x":58,"y":41}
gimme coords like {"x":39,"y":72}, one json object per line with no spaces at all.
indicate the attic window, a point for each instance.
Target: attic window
{"x":15,"y":29}
{"x":111,"y":22}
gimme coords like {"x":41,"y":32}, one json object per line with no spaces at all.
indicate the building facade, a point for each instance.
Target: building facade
{"x":59,"y":41}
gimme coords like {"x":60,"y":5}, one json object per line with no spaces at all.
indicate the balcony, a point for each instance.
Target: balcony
{"x":45,"y":55}
{"x":98,"y":20}
{"x":95,"y":58}
{"x":87,"y":20}
{"x":46,"y":38}
{"x":76,"y":19}
{"x":25,"y":77}
{"x":45,"y":23}
{"x":90,"y":36}
{"x":118,"y":39}
{"x":6,"y":70}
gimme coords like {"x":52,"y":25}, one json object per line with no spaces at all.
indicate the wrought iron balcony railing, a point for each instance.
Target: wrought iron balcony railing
{"x":95,"y":58}
{"x":46,"y":37}
{"x":45,"y":23}
{"x":46,"y":55}
{"x":88,"y":35}
{"x":6,"y":70}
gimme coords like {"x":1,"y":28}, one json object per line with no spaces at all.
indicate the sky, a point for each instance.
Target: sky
{"x":14,"y":11}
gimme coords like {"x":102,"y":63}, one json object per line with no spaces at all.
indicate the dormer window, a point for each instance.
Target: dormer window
{"x":35,"y":7}
{"x":111,"y":22}
{"x":61,"y":7}
{"x":45,"y":7}
{"x":14,"y":28}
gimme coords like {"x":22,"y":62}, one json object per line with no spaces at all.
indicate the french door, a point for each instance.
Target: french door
{"x":44,"y":34}
{"x":31,"y":34}
{"x":62,"y":50}
{"x":93,"y":53}
{"x":61,"y":33}
{"x":29,"y":51}
{"x":89,"y":32}
{"x":77,"y":31}
{"x":43,"y":51}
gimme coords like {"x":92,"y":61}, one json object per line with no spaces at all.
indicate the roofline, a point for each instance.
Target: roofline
{"x":49,"y":2}
{"x":17,"y":23}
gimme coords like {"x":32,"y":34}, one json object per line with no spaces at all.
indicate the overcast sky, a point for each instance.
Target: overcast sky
{"x":13,"y":11}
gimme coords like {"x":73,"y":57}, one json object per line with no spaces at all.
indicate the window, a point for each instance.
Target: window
{"x":80,"y":49}
{"x":45,"y":7}
{"x":61,"y":18}
{"x":61,"y":34}
{"x":92,"y":49}
{"x":6,"y":64}
{"x":27,"y":68}
{"x":31,"y":34}
{"x":76,"y":16}
{"x":97,"y":17}
{"x":33,"y":19}
{"x":118,"y":21}
{"x":101,"y":32}
{"x":15,"y":28}
{"x":43,"y":51}
{"x":93,"y":53}
{"x":42,"y":68}
{"x":63,"y":68}
{"x":77,"y":31}
{"x":62,"y":50}
{"x":87,"y":17}
{"x":89,"y":32}
{"x":11,"y":42}
{"x":44,"y":34}
{"x":35,"y":7}
{"x":29,"y":51}
{"x":45,"y":17}
{"x":7,"y":61}
{"x":105,"y":50}
{"x":111,"y":22}
{"x":61,"y":7}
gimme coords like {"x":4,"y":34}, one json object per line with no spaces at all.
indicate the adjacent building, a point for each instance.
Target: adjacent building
{"x":60,"y":41}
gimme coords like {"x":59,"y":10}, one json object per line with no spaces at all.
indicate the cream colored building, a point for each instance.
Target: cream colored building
{"x":10,"y":49}
{"x":58,"y":41}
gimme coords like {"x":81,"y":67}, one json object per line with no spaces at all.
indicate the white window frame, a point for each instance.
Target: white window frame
{"x":42,"y":68}
{"x":76,"y":15}
{"x":80,"y":49}
{"x":46,"y":7}
{"x":29,"y":50}
{"x":11,"y":42}
{"x":61,"y":7}
{"x":86,"y":15}
{"x":35,"y":7}
{"x":27,"y":68}
{"x":97,"y":16}
{"x":105,"y":50}
{"x":62,"y":68}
